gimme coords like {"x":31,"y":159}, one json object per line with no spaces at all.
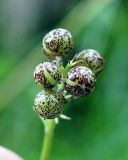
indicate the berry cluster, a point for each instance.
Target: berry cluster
{"x":60,"y":84}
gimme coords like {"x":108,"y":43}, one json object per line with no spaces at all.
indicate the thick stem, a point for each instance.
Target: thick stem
{"x":49,"y":130}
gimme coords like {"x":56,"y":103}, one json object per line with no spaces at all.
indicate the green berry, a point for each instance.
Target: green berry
{"x":47,"y":75}
{"x":91,"y":59}
{"x":49,"y":105}
{"x":80,"y":81}
{"x":57,"y":42}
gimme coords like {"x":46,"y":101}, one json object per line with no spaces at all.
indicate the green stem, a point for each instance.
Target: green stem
{"x":70,"y":65}
{"x":49,"y":130}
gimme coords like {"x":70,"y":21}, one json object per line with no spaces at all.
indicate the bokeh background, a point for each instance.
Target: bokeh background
{"x":99,"y":126}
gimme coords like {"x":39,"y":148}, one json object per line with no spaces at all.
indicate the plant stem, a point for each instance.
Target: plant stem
{"x":49,"y":130}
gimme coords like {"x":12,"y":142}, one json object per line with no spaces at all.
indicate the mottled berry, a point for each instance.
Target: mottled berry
{"x":80,"y":81}
{"x":91,"y":59}
{"x":57,"y":42}
{"x":47,"y":75}
{"x":49,"y":105}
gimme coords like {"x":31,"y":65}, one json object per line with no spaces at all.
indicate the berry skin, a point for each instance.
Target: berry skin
{"x":91,"y":59}
{"x":47,"y":75}
{"x":49,"y":105}
{"x":57,"y":42}
{"x":80,"y":81}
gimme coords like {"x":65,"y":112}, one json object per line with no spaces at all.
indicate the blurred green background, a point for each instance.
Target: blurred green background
{"x":99,"y":126}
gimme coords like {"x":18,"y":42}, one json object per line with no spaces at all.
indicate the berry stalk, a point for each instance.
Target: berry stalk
{"x":60,"y":84}
{"x":48,"y":136}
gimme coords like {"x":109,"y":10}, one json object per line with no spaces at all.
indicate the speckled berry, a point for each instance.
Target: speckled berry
{"x":49,"y":105}
{"x":80,"y":81}
{"x":91,"y":59}
{"x":47,"y":75}
{"x":57,"y":42}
